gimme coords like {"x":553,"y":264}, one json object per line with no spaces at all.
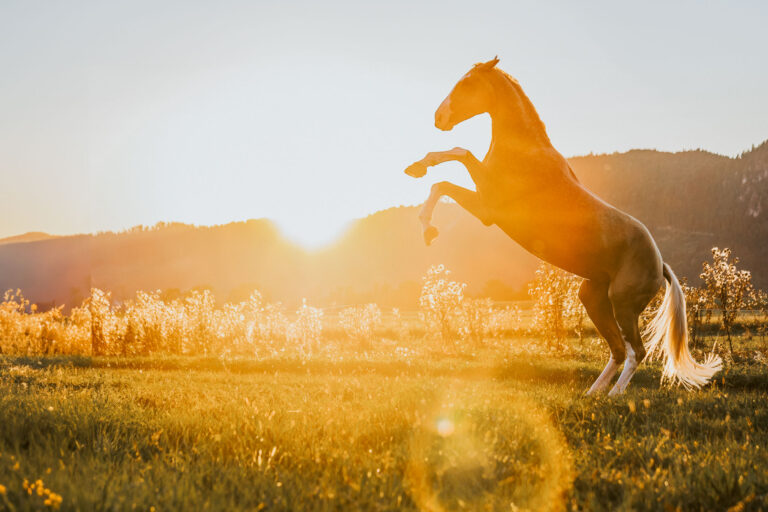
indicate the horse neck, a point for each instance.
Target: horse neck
{"x":515,"y":124}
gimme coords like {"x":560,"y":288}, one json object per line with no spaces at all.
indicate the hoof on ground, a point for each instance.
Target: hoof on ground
{"x":430,"y":234}
{"x":416,"y":170}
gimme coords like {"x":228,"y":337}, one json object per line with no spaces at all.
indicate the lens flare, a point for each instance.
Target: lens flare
{"x":471,"y":454}
{"x":445,"y":427}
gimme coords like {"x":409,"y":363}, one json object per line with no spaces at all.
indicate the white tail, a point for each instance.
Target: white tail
{"x":668,"y":335}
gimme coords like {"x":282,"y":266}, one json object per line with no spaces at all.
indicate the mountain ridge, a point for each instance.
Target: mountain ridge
{"x":690,"y":201}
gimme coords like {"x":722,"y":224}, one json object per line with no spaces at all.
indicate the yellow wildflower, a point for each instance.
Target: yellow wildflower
{"x":54,"y":500}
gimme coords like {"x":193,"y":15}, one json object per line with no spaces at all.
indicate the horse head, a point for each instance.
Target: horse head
{"x":472,"y":95}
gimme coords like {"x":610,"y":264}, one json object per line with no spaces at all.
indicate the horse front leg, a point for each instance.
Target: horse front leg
{"x":473,"y":165}
{"x":467,"y":199}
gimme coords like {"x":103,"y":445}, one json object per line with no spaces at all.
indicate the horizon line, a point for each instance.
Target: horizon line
{"x":50,"y":235}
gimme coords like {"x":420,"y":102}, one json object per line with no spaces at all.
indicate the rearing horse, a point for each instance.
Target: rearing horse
{"x":525,"y":187}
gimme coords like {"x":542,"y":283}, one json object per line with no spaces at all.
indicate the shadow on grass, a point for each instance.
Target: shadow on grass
{"x":47,"y":362}
{"x":536,"y":369}
{"x":539,"y":370}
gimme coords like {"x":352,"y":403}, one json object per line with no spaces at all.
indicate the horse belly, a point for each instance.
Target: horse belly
{"x":567,"y":240}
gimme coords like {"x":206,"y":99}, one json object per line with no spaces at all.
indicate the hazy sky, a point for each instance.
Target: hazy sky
{"x":114,"y":114}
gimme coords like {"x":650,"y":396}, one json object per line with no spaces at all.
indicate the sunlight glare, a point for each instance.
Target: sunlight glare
{"x":445,"y":427}
{"x":312,"y":231}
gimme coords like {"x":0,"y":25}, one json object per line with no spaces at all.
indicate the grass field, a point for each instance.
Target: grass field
{"x":496,"y":430}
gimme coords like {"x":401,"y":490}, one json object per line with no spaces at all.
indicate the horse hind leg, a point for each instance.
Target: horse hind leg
{"x":627,"y":320}
{"x":630,"y":366}
{"x":594,"y":296}
{"x":628,"y":303}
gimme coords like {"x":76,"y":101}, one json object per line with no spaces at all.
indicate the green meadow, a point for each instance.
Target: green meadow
{"x":493,"y":430}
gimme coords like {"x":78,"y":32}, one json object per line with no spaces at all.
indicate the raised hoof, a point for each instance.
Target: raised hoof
{"x":416,"y":170}
{"x":430,"y":234}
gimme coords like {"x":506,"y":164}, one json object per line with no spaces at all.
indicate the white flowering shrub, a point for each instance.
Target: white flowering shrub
{"x":273,"y":324}
{"x":306,"y":330}
{"x":504,"y":320}
{"x":697,"y":310}
{"x":728,"y":289}
{"x":557,"y":308}
{"x":759,"y":300}
{"x":401,"y":329}
{"x":194,"y":324}
{"x":473,"y":320}
{"x":439,"y":301}
{"x":201,"y":326}
{"x":152,"y":325}
{"x":103,"y":322}
{"x":360,"y":322}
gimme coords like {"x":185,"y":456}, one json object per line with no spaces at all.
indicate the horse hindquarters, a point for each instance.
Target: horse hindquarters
{"x":631,"y":290}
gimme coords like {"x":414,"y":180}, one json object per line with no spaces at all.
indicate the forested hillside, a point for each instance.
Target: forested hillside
{"x":690,"y":201}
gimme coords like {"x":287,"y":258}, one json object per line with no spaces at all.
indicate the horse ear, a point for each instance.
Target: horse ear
{"x":488,"y":65}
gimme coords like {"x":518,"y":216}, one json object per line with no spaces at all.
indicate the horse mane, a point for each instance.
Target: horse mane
{"x":529,"y":112}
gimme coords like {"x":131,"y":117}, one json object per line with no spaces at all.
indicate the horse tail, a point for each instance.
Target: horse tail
{"x":668,"y":336}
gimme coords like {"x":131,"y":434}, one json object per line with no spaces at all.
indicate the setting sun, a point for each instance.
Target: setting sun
{"x":312,"y":230}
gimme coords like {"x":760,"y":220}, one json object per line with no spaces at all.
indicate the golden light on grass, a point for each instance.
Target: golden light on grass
{"x":472,"y":452}
{"x":445,"y":427}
